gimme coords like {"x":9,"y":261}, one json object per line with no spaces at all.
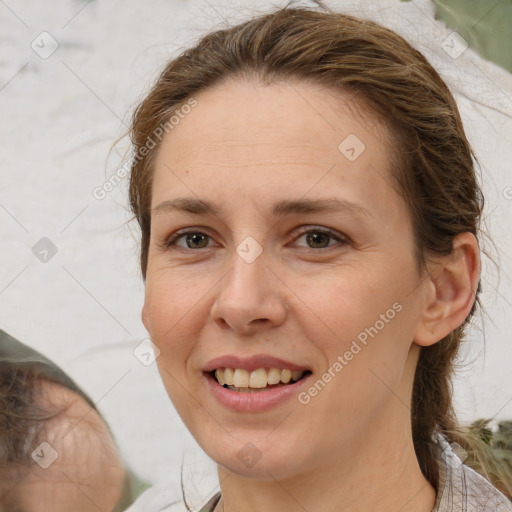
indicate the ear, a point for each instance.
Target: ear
{"x":450,"y":290}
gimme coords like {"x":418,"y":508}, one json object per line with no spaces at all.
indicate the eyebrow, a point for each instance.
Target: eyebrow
{"x":279,"y":209}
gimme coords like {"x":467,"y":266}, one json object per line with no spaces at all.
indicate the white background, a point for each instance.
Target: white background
{"x":59,"y":119}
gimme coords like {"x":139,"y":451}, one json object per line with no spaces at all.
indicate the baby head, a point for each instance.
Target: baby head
{"x":56,"y":451}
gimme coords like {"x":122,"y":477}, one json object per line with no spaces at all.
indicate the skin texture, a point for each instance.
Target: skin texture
{"x":244,"y":147}
{"x":88,"y":474}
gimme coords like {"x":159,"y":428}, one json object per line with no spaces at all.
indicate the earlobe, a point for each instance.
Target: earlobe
{"x":450,"y":290}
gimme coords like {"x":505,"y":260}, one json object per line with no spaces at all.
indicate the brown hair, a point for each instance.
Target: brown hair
{"x":432,"y":159}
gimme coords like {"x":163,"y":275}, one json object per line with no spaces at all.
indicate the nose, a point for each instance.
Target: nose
{"x":250,"y":297}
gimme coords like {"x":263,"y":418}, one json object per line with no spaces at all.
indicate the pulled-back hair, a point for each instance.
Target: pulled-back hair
{"x":432,"y":161}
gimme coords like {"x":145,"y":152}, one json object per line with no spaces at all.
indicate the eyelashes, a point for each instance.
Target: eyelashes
{"x":170,"y":243}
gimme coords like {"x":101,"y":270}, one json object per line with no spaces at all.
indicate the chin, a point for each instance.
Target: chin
{"x":249,"y":461}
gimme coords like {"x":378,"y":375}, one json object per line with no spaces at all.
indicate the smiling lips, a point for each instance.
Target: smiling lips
{"x":256,"y":372}
{"x":257,"y":379}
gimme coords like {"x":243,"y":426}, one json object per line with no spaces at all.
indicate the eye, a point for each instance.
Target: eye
{"x":318,"y":236}
{"x":194,"y":239}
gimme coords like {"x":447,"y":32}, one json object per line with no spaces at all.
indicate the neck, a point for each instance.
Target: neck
{"x":378,"y":471}
{"x":375,"y":482}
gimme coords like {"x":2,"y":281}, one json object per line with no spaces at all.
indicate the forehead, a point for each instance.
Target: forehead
{"x":244,"y":112}
{"x":270,"y":139}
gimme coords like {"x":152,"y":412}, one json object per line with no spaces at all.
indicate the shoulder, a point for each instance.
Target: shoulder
{"x":163,"y":498}
{"x":462,"y":488}
{"x":482,"y":495}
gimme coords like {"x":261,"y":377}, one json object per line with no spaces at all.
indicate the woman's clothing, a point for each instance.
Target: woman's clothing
{"x":461,"y":489}
{"x":211,"y":504}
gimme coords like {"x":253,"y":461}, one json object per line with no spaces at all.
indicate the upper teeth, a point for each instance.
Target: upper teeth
{"x":256,"y":379}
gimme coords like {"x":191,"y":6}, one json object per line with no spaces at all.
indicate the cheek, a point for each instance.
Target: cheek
{"x":171,"y":306}
{"x":339,"y":307}
{"x":176,"y":314}
{"x":361,"y":330}
{"x":369,"y":354}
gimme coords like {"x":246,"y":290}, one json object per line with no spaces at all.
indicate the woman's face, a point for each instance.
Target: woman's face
{"x":332,"y":291}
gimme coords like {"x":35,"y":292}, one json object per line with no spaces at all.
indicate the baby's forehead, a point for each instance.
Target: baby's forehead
{"x":50,"y":393}
{"x":74,"y":417}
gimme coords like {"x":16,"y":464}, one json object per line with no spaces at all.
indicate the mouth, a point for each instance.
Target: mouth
{"x":262,"y":379}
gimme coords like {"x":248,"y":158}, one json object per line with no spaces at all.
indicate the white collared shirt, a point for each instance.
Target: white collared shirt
{"x":462,"y":489}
